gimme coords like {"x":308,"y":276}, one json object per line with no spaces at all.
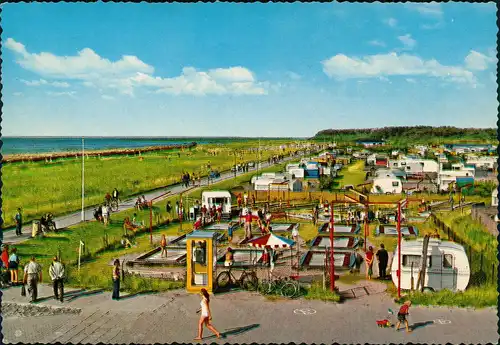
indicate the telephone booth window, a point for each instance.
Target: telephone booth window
{"x":199,"y":264}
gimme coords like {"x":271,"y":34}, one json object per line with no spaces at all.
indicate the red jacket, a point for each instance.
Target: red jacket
{"x":5,"y":258}
{"x":248,"y":217}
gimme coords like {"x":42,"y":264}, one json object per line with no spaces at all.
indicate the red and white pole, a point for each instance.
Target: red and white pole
{"x":399,"y":249}
{"x":332,"y":264}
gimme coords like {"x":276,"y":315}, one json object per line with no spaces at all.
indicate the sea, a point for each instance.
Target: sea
{"x":32,"y":145}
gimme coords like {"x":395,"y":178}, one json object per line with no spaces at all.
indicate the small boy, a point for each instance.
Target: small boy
{"x":403,"y":312}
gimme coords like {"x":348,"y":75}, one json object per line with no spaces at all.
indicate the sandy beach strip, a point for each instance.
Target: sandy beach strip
{"x":36,"y":157}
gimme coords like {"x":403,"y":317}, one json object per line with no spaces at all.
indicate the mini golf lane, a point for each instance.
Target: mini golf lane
{"x":392,"y":231}
{"x":315,"y":259}
{"x":175,"y":255}
{"x":243,"y":257}
{"x":340,"y":229}
{"x":338,"y":242}
{"x":220,"y":227}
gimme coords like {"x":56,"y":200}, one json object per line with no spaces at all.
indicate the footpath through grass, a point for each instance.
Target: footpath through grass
{"x":41,"y":187}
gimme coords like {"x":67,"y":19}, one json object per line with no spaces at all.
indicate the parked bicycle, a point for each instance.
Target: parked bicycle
{"x":248,"y":280}
{"x":287,"y":287}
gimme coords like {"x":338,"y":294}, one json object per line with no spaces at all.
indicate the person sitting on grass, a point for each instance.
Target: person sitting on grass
{"x":125,"y":242}
{"x":127,"y":224}
{"x":136,"y":222}
{"x":402,"y":314}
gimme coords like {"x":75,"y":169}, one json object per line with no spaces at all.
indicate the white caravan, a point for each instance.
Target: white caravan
{"x":217,"y":198}
{"x":447,"y":265}
{"x":388,"y":184}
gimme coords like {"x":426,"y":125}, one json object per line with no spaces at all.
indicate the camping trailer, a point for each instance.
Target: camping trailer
{"x":447,"y":265}
{"x":389,"y":184}
{"x":217,"y":198}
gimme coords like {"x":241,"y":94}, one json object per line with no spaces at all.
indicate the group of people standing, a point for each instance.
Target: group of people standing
{"x":188,"y":180}
{"x":382,"y":257}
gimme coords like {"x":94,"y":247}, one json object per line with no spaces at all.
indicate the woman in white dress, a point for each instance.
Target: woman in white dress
{"x":206,"y":316}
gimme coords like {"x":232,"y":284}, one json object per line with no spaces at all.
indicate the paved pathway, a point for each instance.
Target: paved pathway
{"x":243,"y":318}
{"x":9,"y":235}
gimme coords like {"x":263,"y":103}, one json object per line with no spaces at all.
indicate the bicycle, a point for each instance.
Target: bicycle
{"x":113,"y":204}
{"x":247,"y":280}
{"x":287,"y":287}
{"x":291,"y":288}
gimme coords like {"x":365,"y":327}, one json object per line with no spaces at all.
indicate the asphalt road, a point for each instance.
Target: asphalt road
{"x":244,"y":317}
{"x":9,"y":235}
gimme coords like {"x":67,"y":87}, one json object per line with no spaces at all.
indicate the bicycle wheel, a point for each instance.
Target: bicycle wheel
{"x":223,"y":279}
{"x":265,"y":287}
{"x":250,"y":281}
{"x":289,"y":290}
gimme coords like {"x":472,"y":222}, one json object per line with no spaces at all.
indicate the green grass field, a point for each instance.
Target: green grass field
{"x":56,"y":187}
{"x":352,"y":174}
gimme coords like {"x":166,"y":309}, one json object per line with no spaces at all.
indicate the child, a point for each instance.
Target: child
{"x":403,"y":312}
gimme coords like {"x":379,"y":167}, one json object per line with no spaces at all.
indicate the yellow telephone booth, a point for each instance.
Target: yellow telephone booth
{"x":201,"y":260}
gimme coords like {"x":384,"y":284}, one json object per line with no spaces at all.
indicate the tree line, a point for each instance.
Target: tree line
{"x":409,"y":132}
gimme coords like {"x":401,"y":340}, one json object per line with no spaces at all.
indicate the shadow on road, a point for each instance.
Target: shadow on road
{"x":418,"y":325}
{"x":66,"y":294}
{"x":144,"y":293}
{"x":84,"y":294}
{"x":236,"y":331}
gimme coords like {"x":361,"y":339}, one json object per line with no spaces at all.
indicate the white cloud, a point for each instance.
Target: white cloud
{"x":391,"y":22}
{"x":477,"y":61}
{"x":432,"y":9}
{"x":341,"y":67}
{"x":411,"y":80}
{"x":44,"y":82}
{"x":409,"y":42}
{"x":294,"y":76}
{"x":15,"y":46}
{"x":107,"y":97}
{"x":65,"y":93}
{"x":129,"y":73}
{"x":17,"y":93}
{"x":377,"y":43}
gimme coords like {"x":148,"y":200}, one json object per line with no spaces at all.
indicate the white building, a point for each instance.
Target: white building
{"x":482,"y":162}
{"x":415,"y":166}
{"x":277,"y":184}
{"x":388,"y":184}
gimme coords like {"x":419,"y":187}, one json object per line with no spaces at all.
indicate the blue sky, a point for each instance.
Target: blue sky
{"x":245,"y":69}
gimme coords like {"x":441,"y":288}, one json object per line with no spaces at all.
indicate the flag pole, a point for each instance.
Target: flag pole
{"x":83,"y":179}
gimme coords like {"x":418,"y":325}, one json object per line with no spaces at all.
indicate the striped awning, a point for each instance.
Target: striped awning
{"x":271,"y":241}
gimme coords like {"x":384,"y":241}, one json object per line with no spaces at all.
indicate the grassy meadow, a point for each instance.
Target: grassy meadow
{"x":41,"y":187}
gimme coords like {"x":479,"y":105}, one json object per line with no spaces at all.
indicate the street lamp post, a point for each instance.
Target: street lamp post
{"x":399,"y":249}
{"x":83,"y":179}
{"x":332,"y":264}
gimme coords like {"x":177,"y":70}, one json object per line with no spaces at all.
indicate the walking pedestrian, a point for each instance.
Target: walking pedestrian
{"x":163,"y":245}
{"x":56,"y":272}
{"x":248,"y":225}
{"x":402,"y":314}
{"x":14,"y":266}
{"x":116,"y":280}
{"x":382,"y":258}
{"x":169,"y":209}
{"x":32,"y":276}
{"x":5,"y":256}
{"x":19,"y":221}
{"x":369,"y":262}
{"x":206,"y":316}
{"x":105,"y":214}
